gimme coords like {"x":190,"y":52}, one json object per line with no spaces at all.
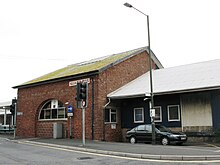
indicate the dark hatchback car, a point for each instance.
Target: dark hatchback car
{"x":164,"y":135}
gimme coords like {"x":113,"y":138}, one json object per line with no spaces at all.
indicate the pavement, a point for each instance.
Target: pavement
{"x":186,"y":152}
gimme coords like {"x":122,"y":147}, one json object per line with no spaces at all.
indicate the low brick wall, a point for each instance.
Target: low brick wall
{"x":124,"y":130}
{"x":45,"y":128}
{"x":199,"y":133}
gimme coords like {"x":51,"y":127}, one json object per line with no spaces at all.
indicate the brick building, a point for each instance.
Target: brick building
{"x":44,"y":100}
{"x":186,"y":98}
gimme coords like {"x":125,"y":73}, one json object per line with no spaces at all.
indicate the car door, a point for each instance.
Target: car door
{"x":141,"y":133}
{"x":148,"y":133}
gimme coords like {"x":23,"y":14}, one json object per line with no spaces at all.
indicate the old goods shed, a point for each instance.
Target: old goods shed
{"x":186,"y":98}
{"x":44,"y":100}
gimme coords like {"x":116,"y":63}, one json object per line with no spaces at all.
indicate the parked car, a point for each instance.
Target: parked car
{"x":163,"y":135}
{"x":6,"y":128}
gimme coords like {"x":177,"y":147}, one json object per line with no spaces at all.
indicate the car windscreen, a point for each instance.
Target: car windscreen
{"x":162,"y":128}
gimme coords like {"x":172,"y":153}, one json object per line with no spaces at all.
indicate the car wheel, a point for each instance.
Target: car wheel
{"x":164,"y":141}
{"x":132,"y":140}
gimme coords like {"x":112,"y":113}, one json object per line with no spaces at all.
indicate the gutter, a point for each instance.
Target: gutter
{"x":166,"y":93}
{"x":93,"y":107}
{"x":109,"y":101}
{"x":188,"y":90}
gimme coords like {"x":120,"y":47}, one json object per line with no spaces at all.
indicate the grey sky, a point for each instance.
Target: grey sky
{"x":37,"y":37}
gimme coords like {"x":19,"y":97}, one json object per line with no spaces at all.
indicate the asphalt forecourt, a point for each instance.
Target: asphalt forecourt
{"x":134,"y":154}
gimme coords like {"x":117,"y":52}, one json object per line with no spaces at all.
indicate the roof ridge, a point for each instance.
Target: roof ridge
{"x":93,"y":60}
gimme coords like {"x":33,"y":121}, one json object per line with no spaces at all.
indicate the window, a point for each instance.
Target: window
{"x":138,"y":115}
{"x":110,"y":116}
{"x":141,"y":128}
{"x":149,"y":128}
{"x":158,"y":114}
{"x":51,"y":110}
{"x":173,"y":113}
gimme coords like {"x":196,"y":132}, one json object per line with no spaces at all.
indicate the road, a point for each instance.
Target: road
{"x":13,"y":153}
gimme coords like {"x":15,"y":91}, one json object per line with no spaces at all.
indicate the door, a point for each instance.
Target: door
{"x":148,"y":133}
{"x":141,"y":133}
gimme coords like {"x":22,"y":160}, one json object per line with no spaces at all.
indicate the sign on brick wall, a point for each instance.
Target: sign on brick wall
{"x":74,"y":83}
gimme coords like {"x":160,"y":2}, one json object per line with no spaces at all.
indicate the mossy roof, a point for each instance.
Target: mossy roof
{"x":85,"y":67}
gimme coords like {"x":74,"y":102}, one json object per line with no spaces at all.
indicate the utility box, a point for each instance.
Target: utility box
{"x":57,"y":130}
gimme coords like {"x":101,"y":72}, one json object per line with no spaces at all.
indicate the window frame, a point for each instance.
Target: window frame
{"x":50,"y":110}
{"x":160,"y":108}
{"x":142,"y":114}
{"x":110,"y":113}
{"x":178,"y":110}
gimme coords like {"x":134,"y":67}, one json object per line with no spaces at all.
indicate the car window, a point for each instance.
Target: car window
{"x":141,"y":128}
{"x":148,"y":128}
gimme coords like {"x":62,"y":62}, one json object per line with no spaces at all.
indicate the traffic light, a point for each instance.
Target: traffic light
{"x":12,"y":106}
{"x":78,"y":91}
{"x":12,"y":109}
{"x":82,"y":94}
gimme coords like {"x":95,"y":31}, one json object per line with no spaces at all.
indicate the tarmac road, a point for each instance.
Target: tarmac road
{"x":22,"y":153}
{"x":141,"y":150}
{"x":187,"y":152}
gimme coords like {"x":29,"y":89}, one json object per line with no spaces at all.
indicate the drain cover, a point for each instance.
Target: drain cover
{"x":84,"y":158}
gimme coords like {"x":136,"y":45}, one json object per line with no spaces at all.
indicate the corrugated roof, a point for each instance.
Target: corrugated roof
{"x":197,"y":76}
{"x":97,"y":64}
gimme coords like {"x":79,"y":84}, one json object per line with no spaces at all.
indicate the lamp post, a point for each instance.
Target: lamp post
{"x":151,"y":79}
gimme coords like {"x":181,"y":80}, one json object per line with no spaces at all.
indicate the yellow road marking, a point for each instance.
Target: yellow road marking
{"x":212,"y":145}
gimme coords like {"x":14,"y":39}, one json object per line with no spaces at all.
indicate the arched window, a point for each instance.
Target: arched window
{"x":52,"y":109}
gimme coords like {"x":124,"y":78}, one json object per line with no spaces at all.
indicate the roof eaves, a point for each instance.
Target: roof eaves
{"x":126,"y":96}
{"x":82,"y":75}
{"x":188,"y":90}
{"x":167,"y":92}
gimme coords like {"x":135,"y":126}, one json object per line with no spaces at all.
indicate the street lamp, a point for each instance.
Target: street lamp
{"x":151,"y":79}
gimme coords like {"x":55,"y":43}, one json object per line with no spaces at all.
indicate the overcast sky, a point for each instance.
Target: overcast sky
{"x":37,"y":37}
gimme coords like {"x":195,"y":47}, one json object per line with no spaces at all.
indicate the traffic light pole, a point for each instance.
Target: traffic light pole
{"x":83,"y":127}
{"x":15,"y":117}
{"x":82,"y":99}
{"x":71,"y":134}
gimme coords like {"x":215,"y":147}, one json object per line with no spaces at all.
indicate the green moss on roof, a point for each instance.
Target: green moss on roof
{"x":84,"y":67}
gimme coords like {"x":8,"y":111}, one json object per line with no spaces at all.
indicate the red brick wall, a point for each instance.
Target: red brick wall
{"x":31,"y":99}
{"x":110,"y":80}
{"x":45,"y":128}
